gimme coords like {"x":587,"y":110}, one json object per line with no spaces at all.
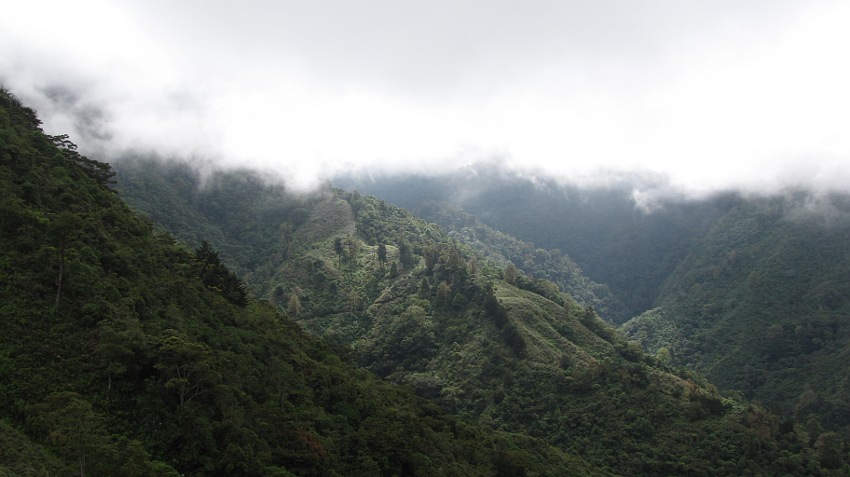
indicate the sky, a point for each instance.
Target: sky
{"x":709,"y":94}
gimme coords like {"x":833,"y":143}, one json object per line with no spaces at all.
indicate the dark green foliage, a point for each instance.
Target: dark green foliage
{"x":760,"y":305}
{"x":382,"y":253}
{"x":509,"y":332}
{"x":147,"y":367}
{"x":405,"y":255}
{"x":221,"y":208}
{"x":19,"y":455}
{"x":218,"y":277}
{"x":99,"y":172}
{"x":523,"y":358}
{"x":750,"y":290}
{"x":545,"y":266}
{"x":338,"y":248}
{"x":616,"y":244}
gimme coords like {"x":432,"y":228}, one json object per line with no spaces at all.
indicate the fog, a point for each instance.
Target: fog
{"x":707,"y":94}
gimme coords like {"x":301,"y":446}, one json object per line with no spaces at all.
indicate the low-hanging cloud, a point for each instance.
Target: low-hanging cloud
{"x":713,"y":95}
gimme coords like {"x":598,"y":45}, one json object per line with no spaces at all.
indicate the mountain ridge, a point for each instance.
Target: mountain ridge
{"x":121,"y":353}
{"x":481,"y":341}
{"x":714,"y":303}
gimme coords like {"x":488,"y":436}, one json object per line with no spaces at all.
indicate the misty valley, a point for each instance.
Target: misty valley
{"x":159,"y":318}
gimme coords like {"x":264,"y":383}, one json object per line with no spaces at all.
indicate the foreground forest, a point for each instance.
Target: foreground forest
{"x":350,"y":338}
{"x":123,"y":352}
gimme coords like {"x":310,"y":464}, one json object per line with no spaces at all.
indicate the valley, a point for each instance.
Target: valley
{"x":332,"y":333}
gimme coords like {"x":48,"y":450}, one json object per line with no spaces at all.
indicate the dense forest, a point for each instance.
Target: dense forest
{"x":123,"y":352}
{"x":322,"y":334}
{"x":752,"y":291}
{"x":462,"y":326}
{"x":761,"y":303}
{"x":628,"y":247}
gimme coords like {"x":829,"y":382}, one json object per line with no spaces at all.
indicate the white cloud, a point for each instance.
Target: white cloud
{"x":714,"y":94}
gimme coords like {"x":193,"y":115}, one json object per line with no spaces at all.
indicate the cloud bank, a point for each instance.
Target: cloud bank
{"x":718,"y":94}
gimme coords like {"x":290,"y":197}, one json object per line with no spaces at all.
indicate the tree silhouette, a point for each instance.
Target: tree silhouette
{"x":382,"y":254}
{"x":338,"y":248}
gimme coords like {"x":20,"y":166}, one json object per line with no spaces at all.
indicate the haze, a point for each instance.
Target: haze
{"x":710,"y":94}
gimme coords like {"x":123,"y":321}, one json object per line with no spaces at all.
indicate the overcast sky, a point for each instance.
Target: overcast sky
{"x":752,"y":94}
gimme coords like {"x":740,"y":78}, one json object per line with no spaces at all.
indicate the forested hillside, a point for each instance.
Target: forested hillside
{"x":761,"y":305}
{"x":503,"y":250}
{"x":122,"y":352}
{"x":752,"y":291}
{"x":420,"y":307}
{"x":627,"y":248}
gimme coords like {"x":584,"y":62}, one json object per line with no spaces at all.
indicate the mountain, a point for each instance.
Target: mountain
{"x":616,"y":243}
{"x":760,"y":305}
{"x":750,"y":290}
{"x":123,"y":352}
{"x":423,"y":308}
{"x":548,"y":265}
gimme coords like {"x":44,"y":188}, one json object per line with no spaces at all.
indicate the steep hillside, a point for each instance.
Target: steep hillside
{"x":751,"y":291}
{"x":124,"y":353}
{"x":228,"y":211}
{"x":418,"y":307}
{"x":502,"y":250}
{"x":195,"y":209}
{"x":616,"y":243}
{"x":761,"y":305}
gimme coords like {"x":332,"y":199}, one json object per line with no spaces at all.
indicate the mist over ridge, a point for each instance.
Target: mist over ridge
{"x":708,"y":97}
{"x":224,"y":359}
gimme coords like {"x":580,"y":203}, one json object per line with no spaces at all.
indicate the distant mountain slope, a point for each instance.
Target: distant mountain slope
{"x":124,"y":353}
{"x":420,"y":307}
{"x":227,"y":206}
{"x":752,"y":291}
{"x":761,"y":304}
{"x":503,"y":249}
{"x":616,"y":243}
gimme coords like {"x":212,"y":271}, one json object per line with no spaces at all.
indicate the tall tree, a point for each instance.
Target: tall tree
{"x":218,"y":277}
{"x":353,"y":248}
{"x":405,"y":255}
{"x":382,"y":254}
{"x":186,"y":366}
{"x":286,"y":237}
{"x":207,"y":254}
{"x":62,"y":230}
{"x":338,"y":248}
